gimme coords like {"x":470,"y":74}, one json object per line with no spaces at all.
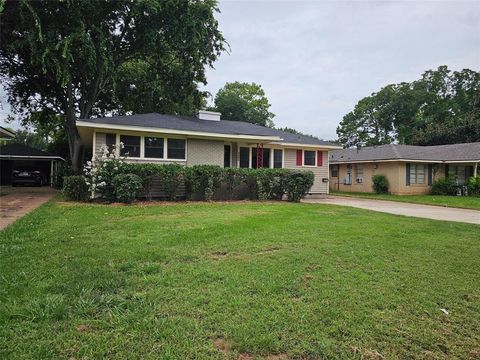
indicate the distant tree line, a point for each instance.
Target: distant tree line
{"x":442,"y":107}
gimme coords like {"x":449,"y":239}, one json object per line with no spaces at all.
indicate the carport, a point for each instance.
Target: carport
{"x":22,"y":157}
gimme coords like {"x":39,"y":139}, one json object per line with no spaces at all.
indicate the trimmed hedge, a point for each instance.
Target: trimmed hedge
{"x":75,"y":188}
{"x":444,"y":186}
{"x":380,"y":184}
{"x":126,"y":187}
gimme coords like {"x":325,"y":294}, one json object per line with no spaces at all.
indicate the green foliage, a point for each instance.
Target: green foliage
{"x":473,"y":186}
{"x":297,"y":184}
{"x":126,"y":187}
{"x":443,"y":186}
{"x":75,"y":188}
{"x":442,"y":107}
{"x":86,"y":58}
{"x":270,"y":183}
{"x":244,"y":102}
{"x":203,"y":179}
{"x":380,"y":184}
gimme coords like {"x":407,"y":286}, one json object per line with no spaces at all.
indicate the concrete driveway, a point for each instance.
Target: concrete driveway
{"x":16,"y":202}
{"x":406,"y":209}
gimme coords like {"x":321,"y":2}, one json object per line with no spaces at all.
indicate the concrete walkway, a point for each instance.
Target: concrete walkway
{"x":16,"y":202}
{"x":406,"y":209}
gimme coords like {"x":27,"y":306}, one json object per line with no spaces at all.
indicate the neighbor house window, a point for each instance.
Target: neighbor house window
{"x":154,"y":147}
{"x":277,"y":158}
{"x":176,"y":149}
{"x":111,"y":141}
{"x":335,"y":171}
{"x":457,"y":173}
{"x":131,"y":145}
{"x":227,"y":151}
{"x":417,"y":174}
{"x":359,"y":173}
{"x":309,"y":157}
{"x":244,"y":152}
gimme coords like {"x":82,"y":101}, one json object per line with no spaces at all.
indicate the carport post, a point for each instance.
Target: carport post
{"x":51,"y":173}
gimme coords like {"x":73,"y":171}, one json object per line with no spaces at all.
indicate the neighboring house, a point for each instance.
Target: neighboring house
{"x":409,"y":169}
{"x":6,"y":135}
{"x":25,"y":158}
{"x":205,"y":139}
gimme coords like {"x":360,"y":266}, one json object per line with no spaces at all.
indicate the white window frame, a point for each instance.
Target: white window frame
{"x":414,"y":179}
{"x":303,"y":158}
{"x":270,"y":162}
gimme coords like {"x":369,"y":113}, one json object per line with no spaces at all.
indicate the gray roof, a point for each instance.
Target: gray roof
{"x":185,"y":123}
{"x":21,"y":150}
{"x":453,"y":152}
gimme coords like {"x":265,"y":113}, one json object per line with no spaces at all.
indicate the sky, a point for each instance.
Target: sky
{"x":316,"y":60}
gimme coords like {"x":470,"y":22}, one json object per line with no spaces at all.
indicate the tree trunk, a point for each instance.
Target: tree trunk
{"x":75,"y":143}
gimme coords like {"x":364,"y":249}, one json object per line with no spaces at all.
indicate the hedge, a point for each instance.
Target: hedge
{"x":209,"y":182}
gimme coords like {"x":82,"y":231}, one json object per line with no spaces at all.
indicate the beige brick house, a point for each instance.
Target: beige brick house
{"x":207,"y":139}
{"x":409,"y":169}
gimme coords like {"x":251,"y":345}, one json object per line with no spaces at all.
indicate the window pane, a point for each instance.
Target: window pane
{"x":131,"y":146}
{"x":413,"y":174}
{"x":335,"y":171}
{"x":254,"y":158}
{"x":154,"y":147}
{"x":309,"y":157}
{"x":265,"y":160}
{"x":111,"y":141}
{"x":226,"y":156}
{"x":244,"y":157}
{"x":277,"y":158}
{"x":176,"y":149}
{"x":420,"y":174}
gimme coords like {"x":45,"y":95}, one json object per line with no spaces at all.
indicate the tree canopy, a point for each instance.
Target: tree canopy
{"x":442,"y":107}
{"x":244,"y":102}
{"x":79,"y":59}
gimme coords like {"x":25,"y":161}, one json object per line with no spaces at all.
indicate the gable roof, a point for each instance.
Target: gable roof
{"x":437,"y":153}
{"x":193,"y":124}
{"x":24,"y":151}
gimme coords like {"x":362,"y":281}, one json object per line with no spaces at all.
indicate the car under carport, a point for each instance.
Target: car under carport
{"x":21,"y":157}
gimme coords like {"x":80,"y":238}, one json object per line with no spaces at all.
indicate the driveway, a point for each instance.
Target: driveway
{"x":406,"y":209}
{"x":16,"y":202}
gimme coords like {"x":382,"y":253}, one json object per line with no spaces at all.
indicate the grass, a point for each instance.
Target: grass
{"x":237,"y":281}
{"x":465,"y":202}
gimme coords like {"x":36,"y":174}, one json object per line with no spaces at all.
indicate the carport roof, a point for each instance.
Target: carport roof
{"x":20,"y":151}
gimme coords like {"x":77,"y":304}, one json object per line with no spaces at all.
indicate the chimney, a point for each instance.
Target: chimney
{"x":208,"y":115}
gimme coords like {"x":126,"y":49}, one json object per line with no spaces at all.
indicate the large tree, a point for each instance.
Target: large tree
{"x":443,"y":107}
{"x":84,"y":58}
{"x":244,"y":102}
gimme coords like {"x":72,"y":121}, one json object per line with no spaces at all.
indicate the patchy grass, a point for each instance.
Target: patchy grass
{"x":465,"y":202}
{"x":237,"y":281}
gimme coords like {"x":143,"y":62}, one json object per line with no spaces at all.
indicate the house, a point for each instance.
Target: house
{"x":6,"y":135}
{"x":409,"y":169}
{"x":207,"y":139}
{"x":25,"y":158}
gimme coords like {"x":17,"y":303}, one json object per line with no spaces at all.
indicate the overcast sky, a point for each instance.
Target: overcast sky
{"x":315,"y":60}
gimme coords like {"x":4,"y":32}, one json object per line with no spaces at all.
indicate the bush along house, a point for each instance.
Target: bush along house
{"x":206,"y":139}
{"x":409,"y":169}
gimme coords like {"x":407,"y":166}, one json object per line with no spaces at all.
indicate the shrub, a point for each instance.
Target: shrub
{"x":100,"y":173}
{"x":445,"y":186}
{"x":297,"y":184}
{"x":380,"y":184}
{"x":126,"y":187}
{"x":270,"y":184}
{"x":75,"y":188}
{"x":203,"y":179}
{"x":473,"y":186}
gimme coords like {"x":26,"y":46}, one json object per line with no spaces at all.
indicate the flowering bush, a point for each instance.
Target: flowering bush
{"x":99,"y":173}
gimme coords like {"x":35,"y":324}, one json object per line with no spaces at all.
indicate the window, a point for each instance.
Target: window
{"x":335,"y":171}
{"x":457,"y":173}
{"x":176,"y":149}
{"x":277,"y":158}
{"x":154,"y":147}
{"x":309,"y":158}
{"x":417,"y":174}
{"x":265,"y":160}
{"x":359,"y":173}
{"x":111,"y":141}
{"x":227,"y":150}
{"x":131,"y":145}
{"x":244,"y":152}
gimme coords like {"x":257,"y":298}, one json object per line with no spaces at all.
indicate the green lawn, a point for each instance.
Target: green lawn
{"x":237,"y":281}
{"x":466,"y":202}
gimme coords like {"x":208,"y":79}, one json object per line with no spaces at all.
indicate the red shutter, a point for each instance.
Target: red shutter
{"x":319,"y":158}
{"x":299,"y":157}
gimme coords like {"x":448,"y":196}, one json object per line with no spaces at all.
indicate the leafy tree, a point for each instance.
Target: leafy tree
{"x":244,"y":102}
{"x":440,"y":108}
{"x":31,"y":139}
{"x":80,"y":59}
